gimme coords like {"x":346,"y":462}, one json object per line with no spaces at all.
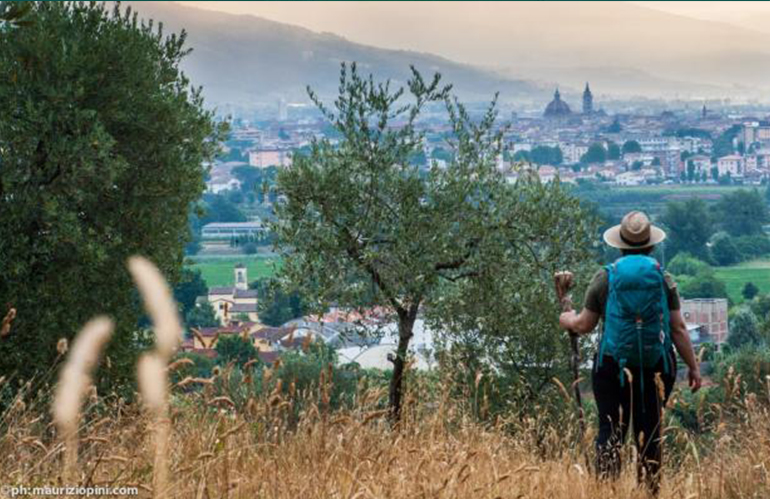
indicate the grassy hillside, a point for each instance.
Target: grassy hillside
{"x":267,"y":448}
{"x":242,"y":432}
{"x":736,"y":276}
{"x":219,"y":271}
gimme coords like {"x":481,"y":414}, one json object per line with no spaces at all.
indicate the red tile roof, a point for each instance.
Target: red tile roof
{"x":272,"y":334}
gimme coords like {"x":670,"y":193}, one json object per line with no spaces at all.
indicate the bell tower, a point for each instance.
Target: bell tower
{"x":241,"y":279}
{"x":588,"y":101}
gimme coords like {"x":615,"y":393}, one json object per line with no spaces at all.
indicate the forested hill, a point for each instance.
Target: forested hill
{"x":242,"y":58}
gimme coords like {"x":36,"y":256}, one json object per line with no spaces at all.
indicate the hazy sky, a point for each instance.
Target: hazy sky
{"x":714,"y":11}
{"x":298,"y":13}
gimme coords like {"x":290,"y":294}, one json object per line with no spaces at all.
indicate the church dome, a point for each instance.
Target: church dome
{"x":557,"y":107}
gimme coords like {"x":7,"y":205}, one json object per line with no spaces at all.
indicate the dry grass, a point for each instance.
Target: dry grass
{"x":217,"y":452}
{"x":198,"y":445}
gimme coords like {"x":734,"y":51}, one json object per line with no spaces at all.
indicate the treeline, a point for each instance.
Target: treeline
{"x":597,"y":152}
{"x":727,"y":232}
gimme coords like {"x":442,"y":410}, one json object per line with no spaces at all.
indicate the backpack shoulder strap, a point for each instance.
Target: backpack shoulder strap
{"x":610,"y":269}
{"x":665,"y":319}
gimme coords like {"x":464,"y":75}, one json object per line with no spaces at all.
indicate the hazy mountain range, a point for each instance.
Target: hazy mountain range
{"x":522,"y":49}
{"x":251,"y":59}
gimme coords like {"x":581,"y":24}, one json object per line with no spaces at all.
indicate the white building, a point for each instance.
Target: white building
{"x":216,"y":187}
{"x":701,"y":163}
{"x":376,"y":356}
{"x":750,"y":163}
{"x":522,"y":146}
{"x":644,"y":158}
{"x":629,"y":178}
{"x":264,"y":158}
{"x":732,"y":164}
{"x":654,"y":144}
{"x":573,"y":152}
{"x":754,"y":131}
{"x":228,"y":230}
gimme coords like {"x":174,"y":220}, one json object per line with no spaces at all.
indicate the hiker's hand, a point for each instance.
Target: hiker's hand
{"x":693,"y":376}
{"x":567,"y":319}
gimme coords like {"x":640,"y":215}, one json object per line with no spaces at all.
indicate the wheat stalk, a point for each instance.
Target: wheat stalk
{"x":5,"y":324}
{"x":152,"y":369}
{"x":74,"y":381}
{"x":159,"y":304}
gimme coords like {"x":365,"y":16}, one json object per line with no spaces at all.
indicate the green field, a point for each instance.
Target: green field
{"x":736,"y":276}
{"x":219,"y":271}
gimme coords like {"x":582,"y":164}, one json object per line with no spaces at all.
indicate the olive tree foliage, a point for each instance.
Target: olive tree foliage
{"x":103,"y":143}
{"x":500,"y":324}
{"x":361,"y":226}
{"x":15,"y":14}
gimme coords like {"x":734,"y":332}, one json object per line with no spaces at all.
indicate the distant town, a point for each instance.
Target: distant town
{"x":578,"y":141}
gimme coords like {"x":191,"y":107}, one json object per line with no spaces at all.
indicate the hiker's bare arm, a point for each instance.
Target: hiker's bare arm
{"x":684,"y":346}
{"x":581,"y":323}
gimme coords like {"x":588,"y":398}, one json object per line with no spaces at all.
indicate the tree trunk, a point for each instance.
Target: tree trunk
{"x":405,"y":327}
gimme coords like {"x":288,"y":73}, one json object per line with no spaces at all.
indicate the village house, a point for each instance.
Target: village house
{"x":236,"y":302}
{"x":271,"y":339}
{"x":207,"y":337}
{"x":268,"y":341}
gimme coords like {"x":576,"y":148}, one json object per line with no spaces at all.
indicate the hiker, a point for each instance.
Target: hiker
{"x":642,"y":323}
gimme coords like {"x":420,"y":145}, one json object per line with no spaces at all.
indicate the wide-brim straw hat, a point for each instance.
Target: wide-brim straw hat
{"x":634,"y":232}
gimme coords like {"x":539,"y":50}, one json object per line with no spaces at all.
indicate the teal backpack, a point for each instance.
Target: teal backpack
{"x":637,"y":332}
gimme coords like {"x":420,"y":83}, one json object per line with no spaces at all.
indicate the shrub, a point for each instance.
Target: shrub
{"x":724,"y":251}
{"x":744,"y":329}
{"x":236,"y":349}
{"x":250,"y":248}
{"x":744,"y":371}
{"x":750,"y":290}
{"x":201,"y":367}
{"x":753,"y":246}
{"x":703,"y":285}
{"x":686,"y":264}
{"x":760,"y":305}
{"x":301,"y":377}
{"x":696,"y":412}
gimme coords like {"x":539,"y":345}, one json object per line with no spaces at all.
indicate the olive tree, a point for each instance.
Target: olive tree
{"x":103,"y":146}
{"x":360,"y":225}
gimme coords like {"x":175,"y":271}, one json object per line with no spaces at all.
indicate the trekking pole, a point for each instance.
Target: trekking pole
{"x":563,"y":282}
